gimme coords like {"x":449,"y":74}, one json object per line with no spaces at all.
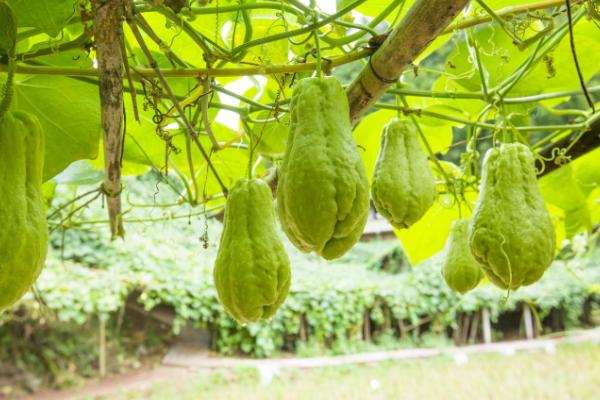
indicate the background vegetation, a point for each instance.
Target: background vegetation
{"x":370,"y":299}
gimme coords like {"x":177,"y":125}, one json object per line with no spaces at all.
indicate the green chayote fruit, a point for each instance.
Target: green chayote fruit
{"x":460,"y":269}
{"x":403,"y":186}
{"x":252,"y":270}
{"x":8,"y":30}
{"x":511,"y":233}
{"x":323,"y":191}
{"x":24,"y":232}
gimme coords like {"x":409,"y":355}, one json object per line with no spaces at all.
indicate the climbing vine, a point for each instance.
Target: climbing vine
{"x":206,"y":88}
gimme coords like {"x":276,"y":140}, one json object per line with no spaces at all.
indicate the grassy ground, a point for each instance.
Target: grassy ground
{"x":572,"y":372}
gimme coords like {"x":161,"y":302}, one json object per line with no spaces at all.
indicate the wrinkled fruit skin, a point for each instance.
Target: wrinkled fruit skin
{"x":323,"y":191}
{"x":403,"y":186}
{"x":24,"y":232}
{"x":460,"y":270}
{"x":252,"y":271}
{"x":511,"y":232}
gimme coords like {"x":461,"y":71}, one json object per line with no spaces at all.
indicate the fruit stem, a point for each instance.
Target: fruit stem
{"x":319,"y":67}
{"x":8,"y":89}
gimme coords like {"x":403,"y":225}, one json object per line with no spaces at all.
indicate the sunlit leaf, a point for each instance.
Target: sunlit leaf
{"x":428,"y":235}
{"x":69,"y":111}
{"x":49,"y":16}
{"x":79,"y":173}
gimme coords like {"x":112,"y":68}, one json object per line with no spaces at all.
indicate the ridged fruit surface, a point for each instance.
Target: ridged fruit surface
{"x":252,"y":270}
{"x":511,"y":233}
{"x":460,"y":269}
{"x":323,"y":191}
{"x":403,"y":186}
{"x":24,"y":232}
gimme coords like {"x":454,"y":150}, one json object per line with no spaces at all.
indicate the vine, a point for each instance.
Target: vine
{"x":182,"y":67}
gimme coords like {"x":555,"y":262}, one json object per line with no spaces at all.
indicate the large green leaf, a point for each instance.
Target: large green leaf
{"x":500,"y":58}
{"x":594,"y":206}
{"x":49,"y":16}
{"x":587,"y":42}
{"x":586,"y":170}
{"x":573,"y":188}
{"x":561,"y":189}
{"x":208,"y":27}
{"x":272,"y":135}
{"x":69,"y":111}
{"x":79,"y":173}
{"x":497,"y":53}
{"x":369,"y":8}
{"x":429,"y":234}
{"x":276,"y":52}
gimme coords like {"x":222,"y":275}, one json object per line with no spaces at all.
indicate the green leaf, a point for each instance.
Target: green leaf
{"x":212,"y":27}
{"x":8,"y":29}
{"x":560,"y":189}
{"x":368,"y":8}
{"x":594,"y":206}
{"x":373,"y":8}
{"x":539,"y":80}
{"x":454,"y":85}
{"x":368,"y":136}
{"x":272,"y":135}
{"x":577,"y":220}
{"x":437,"y":131}
{"x":498,"y":55}
{"x":143,"y":147}
{"x":48,"y":16}
{"x":574,"y":188}
{"x":79,"y":173}
{"x":428,"y":236}
{"x":276,"y":52}
{"x":586,"y":170}
{"x":69,"y":111}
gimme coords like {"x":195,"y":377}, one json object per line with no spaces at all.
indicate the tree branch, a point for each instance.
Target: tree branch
{"x":108,"y":32}
{"x":421,"y":25}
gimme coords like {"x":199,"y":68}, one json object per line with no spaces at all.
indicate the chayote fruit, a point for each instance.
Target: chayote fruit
{"x":252,"y":270}
{"x":24,"y":232}
{"x":323,"y":191}
{"x":460,"y":269}
{"x":511,"y":233}
{"x":403,"y":186}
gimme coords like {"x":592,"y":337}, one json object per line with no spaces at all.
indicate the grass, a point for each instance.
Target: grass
{"x":572,"y":372}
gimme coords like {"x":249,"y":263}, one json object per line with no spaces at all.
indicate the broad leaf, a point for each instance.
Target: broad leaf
{"x":561,"y":189}
{"x":48,"y":16}
{"x":69,"y":111}
{"x":428,"y":235}
{"x":79,"y":173}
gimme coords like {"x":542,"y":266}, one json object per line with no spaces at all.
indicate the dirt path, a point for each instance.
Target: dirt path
{"x":139,"y":381}
{"x":185,"y":362}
